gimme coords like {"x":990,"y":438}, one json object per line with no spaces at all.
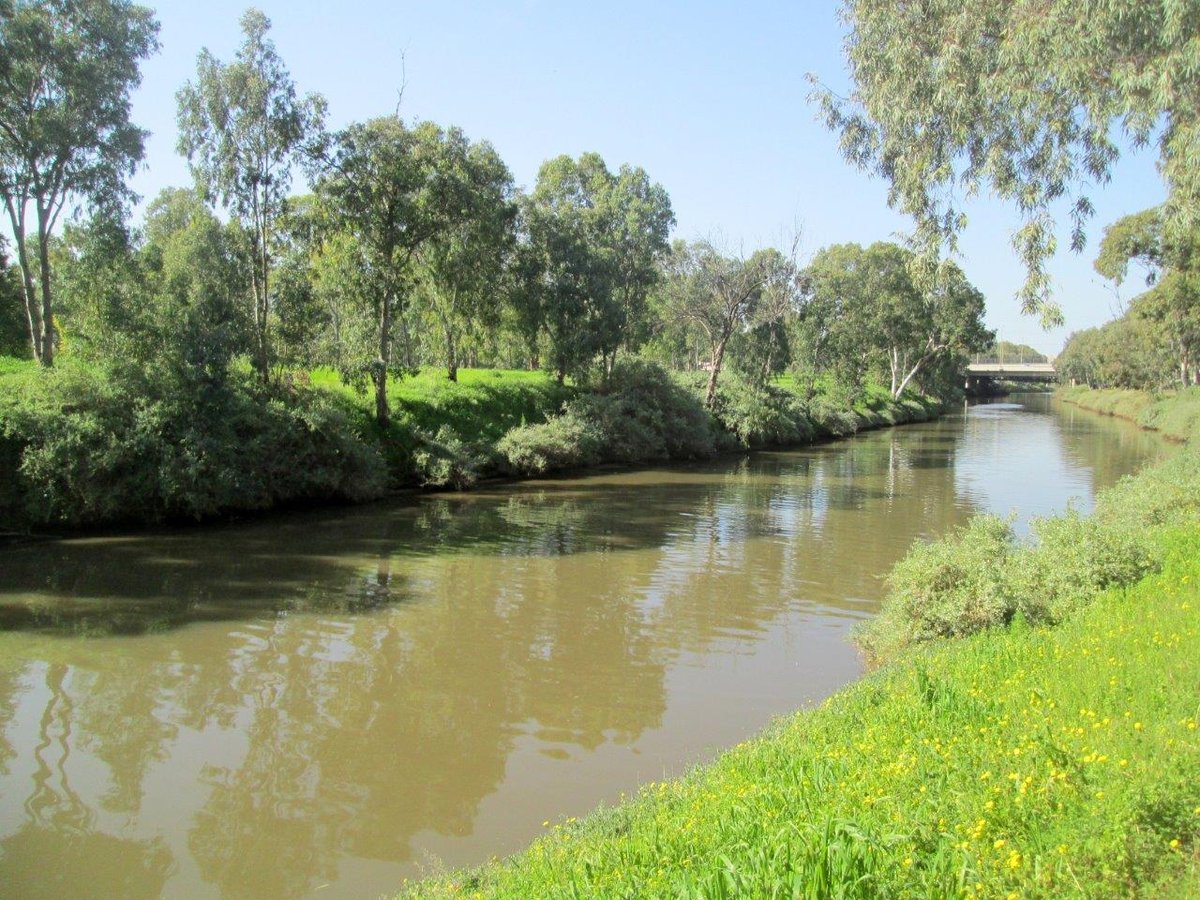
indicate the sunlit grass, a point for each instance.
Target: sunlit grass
{"x":481,"y":406}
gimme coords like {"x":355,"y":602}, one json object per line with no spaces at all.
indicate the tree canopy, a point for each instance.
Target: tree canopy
{"x":242,"y":129}
{"x":67,"y":68}
{"x":1026,"y":98}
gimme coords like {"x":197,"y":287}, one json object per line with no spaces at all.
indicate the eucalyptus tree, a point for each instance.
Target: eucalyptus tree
{"x":193,"y":269}
{"x":392,"y":189}
{"x":67,"y":68}
{"x":1025,"y":98}
{"x":461,"y":264}
{"x":594,"y":241}
{"x":875,"y":310}
{"x":243,"y":128}
{"x":720,"y":295}
{"x":1172,"y":265}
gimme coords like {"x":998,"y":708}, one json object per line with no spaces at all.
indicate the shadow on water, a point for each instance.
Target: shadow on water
{"x":439,"y":676}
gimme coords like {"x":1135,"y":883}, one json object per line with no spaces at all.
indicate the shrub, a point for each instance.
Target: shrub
{"x":947,"y":588}
{"x":762,"y":416}
{"x":446,"y":460}
{"x":86,"y":448}
{"x":1074,"y":559}
{"x":981,"y":576}
{"x":642,"y":415}
{"x":833,"y":420}
{"x":565,"y":441}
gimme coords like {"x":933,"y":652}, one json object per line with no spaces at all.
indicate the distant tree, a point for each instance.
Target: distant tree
{"x":67,"y":68}
{"x":871,"y":307}
{"x":242,"y":129}
{"x":461,"y":264}
{"x":1008,"y":352}
{"x":391,"y":189}
{"x":1023,"y":98}
{"x":720,"y":295}
{"x":104,"y":311}
{"x":592,"y":246}
{"x":14,"y":336}
{"x":1172,"y":265}
{"x":194,"y":271}
{"x":1128,"y":352}
{"x":832,"y":336}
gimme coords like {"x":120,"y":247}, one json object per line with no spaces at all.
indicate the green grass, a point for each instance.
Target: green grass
{"x":1124,"y":404}
{"x":1174,"y":414}
{"x":13,"y":371}
{"x":1020,"y":762}
{"x":482,"y":406}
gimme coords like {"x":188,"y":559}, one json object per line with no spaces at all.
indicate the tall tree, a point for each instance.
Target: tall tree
{"x":597,"y":238}
{"x":462,"y":263}
{"x":387,"y":186}
{"x":1172,"y":264}
{"x":242,"y":129}
{"x":719,"y":295}
{"x":67,"y":68}
{"x":1026,"y":98}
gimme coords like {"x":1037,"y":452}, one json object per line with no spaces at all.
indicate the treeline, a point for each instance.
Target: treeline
{"x":413,"y":248}
{"x":1155,"y":343}
{"x":197,"y":334}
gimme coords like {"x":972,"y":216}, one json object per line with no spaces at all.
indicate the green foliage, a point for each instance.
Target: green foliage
{"x":1034,"y":762}
{"x":592,"y":243}
{"x":981,"y":576}
{"x":641,"y":416}
{"x":948,"y":588}
{"x":567,"y":441}
{"x":446,"y":460}
{"x":1008,"y":352}
{"x":242,"y":128}
{"x":762,"y":415}
{"x":716,"y":295}
{"x":68,"y":69}
{"x":1024,"y":99}
{"x":88,"y":448}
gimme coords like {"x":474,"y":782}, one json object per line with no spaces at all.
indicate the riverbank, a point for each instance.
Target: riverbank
{"x":1174,"y":414}
{"x":80,"y":447}
{"x":1021,"y":760}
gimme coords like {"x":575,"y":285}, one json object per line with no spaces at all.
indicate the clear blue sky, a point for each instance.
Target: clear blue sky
{"x":709,"y":98}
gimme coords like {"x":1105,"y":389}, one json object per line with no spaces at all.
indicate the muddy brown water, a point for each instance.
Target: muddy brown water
{"x":326,"y":703}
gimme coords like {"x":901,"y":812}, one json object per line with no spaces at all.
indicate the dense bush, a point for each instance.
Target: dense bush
{"x":762,"y":415}
{"x":641,"y":415}
{"x":982,"y":576}
{"x":88,"y":447}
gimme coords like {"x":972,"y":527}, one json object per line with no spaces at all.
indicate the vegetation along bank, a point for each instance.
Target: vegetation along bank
{"x":1034,"y":732}
{"x":251,"y":338}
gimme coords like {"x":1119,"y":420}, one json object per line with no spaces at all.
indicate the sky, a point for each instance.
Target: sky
{"x":710,"y":98}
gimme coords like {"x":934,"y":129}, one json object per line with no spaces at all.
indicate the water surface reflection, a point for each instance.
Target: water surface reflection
{"x":323,"y":704}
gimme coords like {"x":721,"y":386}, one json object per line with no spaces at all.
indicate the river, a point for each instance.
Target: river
{"x":324,"y":703}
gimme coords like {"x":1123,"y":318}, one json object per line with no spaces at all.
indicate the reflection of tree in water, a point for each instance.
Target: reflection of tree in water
{"x":359,"y":721}
{"x":58,"y":848}
{"x":54,"y":862}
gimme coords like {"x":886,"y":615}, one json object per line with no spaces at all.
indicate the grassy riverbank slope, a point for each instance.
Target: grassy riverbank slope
{"x":1175,"y":414}
{"x":1016,"y":760}
{"x":80,"y":445}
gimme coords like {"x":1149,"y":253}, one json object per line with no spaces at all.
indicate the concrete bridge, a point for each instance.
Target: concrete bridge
{"x":981,"y":375}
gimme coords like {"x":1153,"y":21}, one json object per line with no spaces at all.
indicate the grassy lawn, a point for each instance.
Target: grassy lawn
{"x":481,"y":406}
{"x":1017,"y":763}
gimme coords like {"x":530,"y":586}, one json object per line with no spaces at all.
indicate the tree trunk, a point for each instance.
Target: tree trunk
{"x":451,"y":346}
{"x":32,"y":315}
{"x":47,"y":337}
{"x":717,"y":358}
{"x":382,"y":413}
